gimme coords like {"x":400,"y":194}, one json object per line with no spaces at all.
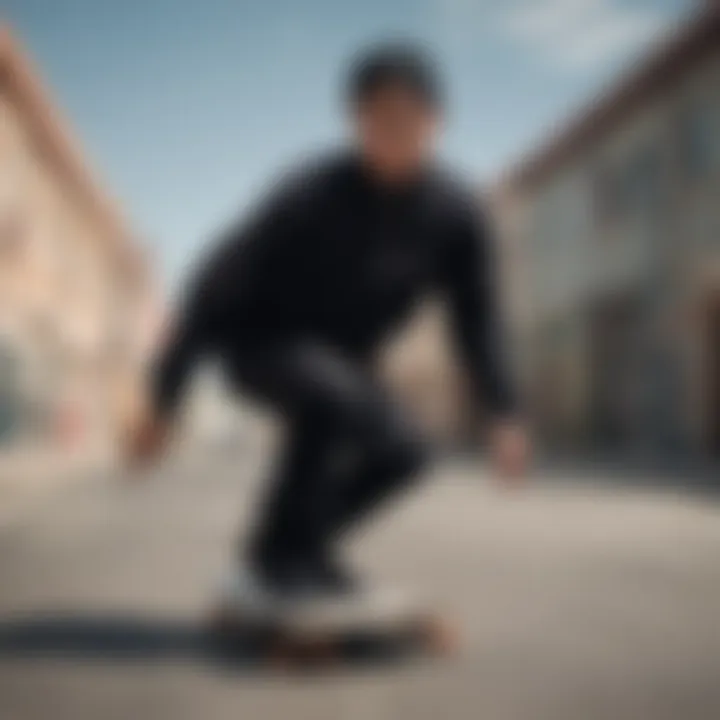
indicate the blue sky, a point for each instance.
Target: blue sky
{"x":187,"y":107}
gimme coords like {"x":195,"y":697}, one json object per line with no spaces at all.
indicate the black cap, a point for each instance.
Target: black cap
{"x":409,"y":65}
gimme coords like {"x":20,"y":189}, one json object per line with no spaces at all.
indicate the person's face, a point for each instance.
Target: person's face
{"x":397,"y":131}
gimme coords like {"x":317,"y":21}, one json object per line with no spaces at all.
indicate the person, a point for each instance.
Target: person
{"x":296,"y":300}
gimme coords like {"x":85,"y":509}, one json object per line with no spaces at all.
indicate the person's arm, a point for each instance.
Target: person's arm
{"x":471,"y":283}
{"x":176,"y":361}
{"x":168,"y":378}
{"x":471,"y":280}
{"x":237,"y":266}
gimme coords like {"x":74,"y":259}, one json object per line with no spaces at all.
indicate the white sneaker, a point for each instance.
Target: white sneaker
{"x":244,"y":596}
{"x":242,"y":593}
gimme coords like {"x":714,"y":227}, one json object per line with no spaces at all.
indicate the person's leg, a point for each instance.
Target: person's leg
{"x":333,"y":406}
{"x":378,"y":477}
{"x":280,"y":536}
{"x":381,"y":472}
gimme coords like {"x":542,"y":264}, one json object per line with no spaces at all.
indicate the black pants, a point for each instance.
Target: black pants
{"x":346,"y":450}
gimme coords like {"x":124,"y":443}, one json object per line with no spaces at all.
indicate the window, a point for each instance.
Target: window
{"x":11,"y":220}
{"x":699,"y":141}
{"x":11,"y":235}
{"x":632,"y":188}
{"x":643,"y":181}
{"x":9,"y":401}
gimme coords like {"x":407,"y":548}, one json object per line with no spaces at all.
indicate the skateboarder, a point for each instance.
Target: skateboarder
{"x":296,"y":300}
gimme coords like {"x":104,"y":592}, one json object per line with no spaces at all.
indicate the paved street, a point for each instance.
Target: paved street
{"x":576,"y":603}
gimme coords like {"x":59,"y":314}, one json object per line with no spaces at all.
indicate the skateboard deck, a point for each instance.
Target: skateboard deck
{"x":326,"y":638}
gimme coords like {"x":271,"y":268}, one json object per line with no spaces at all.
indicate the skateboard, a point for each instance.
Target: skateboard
{"x":324,"y":641}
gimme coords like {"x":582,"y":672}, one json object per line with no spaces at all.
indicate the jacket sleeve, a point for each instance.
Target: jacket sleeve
{"x":471,"y":274}
{"x":236,"y":264}
{"x":174,"y":365}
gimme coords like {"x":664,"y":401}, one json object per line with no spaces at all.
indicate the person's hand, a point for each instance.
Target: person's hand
{"x":510,"y":448}
{"x":147,"y":440}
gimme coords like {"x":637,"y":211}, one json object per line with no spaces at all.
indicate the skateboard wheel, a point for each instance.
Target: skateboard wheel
{"x":296,"y":653}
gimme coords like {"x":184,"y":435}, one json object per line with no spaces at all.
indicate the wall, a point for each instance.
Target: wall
{"x":654,"y":245}
{"x":58,"y":292}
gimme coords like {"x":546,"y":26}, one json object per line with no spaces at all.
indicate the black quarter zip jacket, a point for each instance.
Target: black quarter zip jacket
{"x":332,"y":255}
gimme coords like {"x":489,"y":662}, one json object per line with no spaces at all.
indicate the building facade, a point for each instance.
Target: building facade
{"x":76,"y":295}
{"x":616,"y":223}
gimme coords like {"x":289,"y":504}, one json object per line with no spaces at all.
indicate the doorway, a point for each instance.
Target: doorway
{"x":713,"y":375}
{"x":618,"y":372}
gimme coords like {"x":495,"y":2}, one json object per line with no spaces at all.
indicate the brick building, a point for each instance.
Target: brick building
{"x":616,"y":224}
{"x":76,"y":295}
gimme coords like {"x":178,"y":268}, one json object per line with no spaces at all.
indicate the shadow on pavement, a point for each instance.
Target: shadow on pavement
{"x":111,"y":637}
{"x":127,"y":638}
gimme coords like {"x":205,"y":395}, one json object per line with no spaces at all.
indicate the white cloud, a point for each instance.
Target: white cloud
{"x":461,"y":21}
{"x":543,"y":18}
{"x":581,"y":34}
{"x":574,"y":35}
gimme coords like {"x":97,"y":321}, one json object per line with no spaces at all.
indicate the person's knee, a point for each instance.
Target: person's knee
{"x":404,"y":455}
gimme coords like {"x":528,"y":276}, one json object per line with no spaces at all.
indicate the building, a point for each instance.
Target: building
{"x":76,"y":294}
{"x":615,"y":226}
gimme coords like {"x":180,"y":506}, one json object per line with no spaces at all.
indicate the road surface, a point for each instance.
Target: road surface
{"x":576,"y":603}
